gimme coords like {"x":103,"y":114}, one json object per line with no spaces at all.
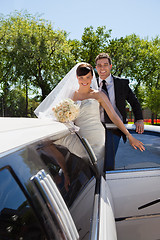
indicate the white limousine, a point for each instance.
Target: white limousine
{"x":35,"y":204}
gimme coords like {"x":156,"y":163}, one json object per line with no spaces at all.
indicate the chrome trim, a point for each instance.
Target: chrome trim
{"x":95,"y":219}
{"x":94,"y":233}
{"x":50,"y":193}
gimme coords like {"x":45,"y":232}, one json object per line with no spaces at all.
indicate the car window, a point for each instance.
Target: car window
{"x":79,"y":171}
{"x":17,"y":219}
{"x":129,"y":158}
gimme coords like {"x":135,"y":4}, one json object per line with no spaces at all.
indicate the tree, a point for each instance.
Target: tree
{"x":137,"y":59}
{"x":33,"y":54}
{"x":124,"y":53}
{"x":75,"y":49}
{"x":14,"y":103}
{"x":92,"y":43}
{"x":152,"y":102}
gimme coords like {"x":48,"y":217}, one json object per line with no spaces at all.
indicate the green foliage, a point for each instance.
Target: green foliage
{"x":32,"y":54}
{"x":34,"y":57}
{"x":75,"y":46}
{"x":14,"y":104}
{"x":124,"y":53}
{"x":93,"y":42}
{"x":152,"y":100}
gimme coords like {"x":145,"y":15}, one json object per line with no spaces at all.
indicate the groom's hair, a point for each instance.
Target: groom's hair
{"x":83,"y":69}
{"x":103,"y":55}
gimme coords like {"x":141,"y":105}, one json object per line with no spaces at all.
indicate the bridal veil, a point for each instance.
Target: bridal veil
{"x":65,"y":89}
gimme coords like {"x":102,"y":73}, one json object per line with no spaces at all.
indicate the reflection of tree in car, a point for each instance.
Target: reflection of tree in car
{"x":20,"y":223}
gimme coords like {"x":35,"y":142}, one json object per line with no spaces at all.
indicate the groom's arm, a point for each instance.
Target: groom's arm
{"x":137,"y":111}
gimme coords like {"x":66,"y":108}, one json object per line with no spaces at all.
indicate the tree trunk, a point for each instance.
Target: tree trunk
{"x":152,"y":119}
{"x":5,"y":95}
{"x":2,"y":107}
{"x":156,"y":118}
{"x":26,"y":112}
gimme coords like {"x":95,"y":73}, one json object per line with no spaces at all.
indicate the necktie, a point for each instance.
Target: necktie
{"x":106,"y":118}
{"x":105,"y":88}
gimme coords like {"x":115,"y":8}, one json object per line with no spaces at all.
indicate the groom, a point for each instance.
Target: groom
{"x":118,"y":91}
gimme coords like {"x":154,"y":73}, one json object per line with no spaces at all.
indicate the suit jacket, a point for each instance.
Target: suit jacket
{"x":122,"y":93}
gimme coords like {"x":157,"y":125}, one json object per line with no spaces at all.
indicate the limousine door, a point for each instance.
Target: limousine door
{"x":103,"y":220}
{"x":134,"y":185}
{"x":136,"y":202}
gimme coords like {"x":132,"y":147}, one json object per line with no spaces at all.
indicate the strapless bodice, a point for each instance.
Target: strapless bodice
{"x":91,"y":128}
{"x":89,"y":117}
{"x":89,"y":107}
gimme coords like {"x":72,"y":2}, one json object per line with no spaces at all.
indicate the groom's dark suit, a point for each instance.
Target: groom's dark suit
{"x":123,"y":93}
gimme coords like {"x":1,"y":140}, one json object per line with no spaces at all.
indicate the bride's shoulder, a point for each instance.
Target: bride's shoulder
{"x":95,"y":93}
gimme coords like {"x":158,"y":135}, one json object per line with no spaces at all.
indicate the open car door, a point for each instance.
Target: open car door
{"x":134,"y":186}
{"x":103,"y":221}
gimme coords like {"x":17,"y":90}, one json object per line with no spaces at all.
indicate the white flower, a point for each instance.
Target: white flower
{"x":66,"y":110}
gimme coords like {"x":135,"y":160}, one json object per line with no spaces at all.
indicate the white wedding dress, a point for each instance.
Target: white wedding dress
{"x":91,"y":128}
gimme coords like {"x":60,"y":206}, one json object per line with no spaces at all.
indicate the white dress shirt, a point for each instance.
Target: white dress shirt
{"x":111,"y":93}
{"x":110,"y":88}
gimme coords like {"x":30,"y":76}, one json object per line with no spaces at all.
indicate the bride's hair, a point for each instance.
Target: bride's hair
{"x":83,"y":69}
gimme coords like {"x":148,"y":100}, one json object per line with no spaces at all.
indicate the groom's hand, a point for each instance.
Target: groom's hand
{"x":139,"y":126}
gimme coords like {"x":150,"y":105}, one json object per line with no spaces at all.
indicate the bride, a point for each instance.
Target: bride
{"x":81,"y":86}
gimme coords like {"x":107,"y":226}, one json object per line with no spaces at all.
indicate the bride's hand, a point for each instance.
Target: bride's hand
{"x":135,"y":143}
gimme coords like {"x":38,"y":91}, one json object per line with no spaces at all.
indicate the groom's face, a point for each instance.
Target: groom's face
{"x":103,"y":68}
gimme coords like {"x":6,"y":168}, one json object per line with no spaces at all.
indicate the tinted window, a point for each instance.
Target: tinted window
{"x":56,"y":157}
{"x":17,"y":219}
{"x":128,"y":158}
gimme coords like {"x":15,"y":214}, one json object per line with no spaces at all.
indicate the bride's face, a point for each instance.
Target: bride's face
{"x":85,"y":81}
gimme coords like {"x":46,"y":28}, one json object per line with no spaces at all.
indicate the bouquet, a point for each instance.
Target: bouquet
{"x":66,"y":110}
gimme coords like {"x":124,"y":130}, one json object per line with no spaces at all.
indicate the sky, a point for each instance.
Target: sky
{"x":123,"y":17}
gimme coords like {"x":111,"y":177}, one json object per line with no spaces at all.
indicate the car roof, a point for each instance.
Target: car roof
{"x":18,"y":132}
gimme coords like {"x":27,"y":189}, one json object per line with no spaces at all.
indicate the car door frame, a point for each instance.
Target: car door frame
{"x":136,"y":200}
